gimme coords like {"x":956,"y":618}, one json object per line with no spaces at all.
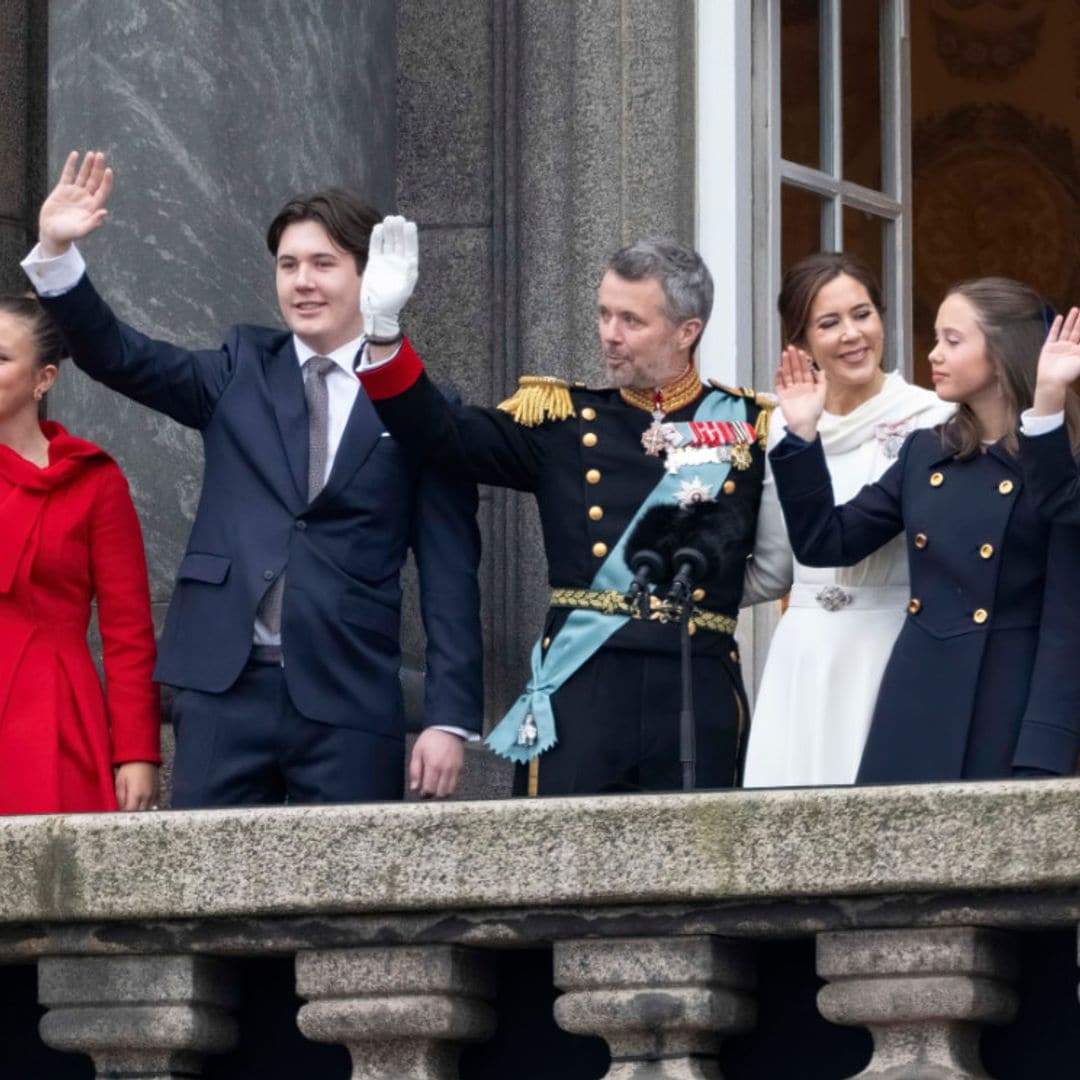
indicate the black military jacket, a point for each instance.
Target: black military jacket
{"x":589,"y":474}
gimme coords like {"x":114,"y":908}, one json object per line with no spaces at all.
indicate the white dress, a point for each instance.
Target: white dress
{"x":830,"y":648}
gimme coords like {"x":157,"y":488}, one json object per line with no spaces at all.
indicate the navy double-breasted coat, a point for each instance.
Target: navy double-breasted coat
{"x":985,"y":675}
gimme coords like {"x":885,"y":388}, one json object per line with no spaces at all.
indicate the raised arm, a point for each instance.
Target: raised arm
{"x":1050,"y":471}
{"x":185,"y":384}
{"x":482,"y":445}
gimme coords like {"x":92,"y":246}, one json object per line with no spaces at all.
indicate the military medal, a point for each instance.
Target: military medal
{"x":694,"y":491}
{"x":653,"y":438}
{"x":526,"y":735}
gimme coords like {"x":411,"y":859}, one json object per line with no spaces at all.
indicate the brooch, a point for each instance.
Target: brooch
{"x":891,"y":436}
{"x":833,"y":598}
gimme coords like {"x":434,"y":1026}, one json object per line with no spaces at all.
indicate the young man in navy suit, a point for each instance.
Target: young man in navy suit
{"x":282,"y":634}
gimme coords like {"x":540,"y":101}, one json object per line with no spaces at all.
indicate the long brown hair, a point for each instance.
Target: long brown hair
{"x":1014,"y":320}
{"x":802,"y":281}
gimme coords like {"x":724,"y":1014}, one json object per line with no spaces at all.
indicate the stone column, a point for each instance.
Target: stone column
{"x":150,"y":1017}
{"x":922,"y":993}
{"x":22,"y":132}
{"x":402,"y":1011}
{"x":661,"y":1004}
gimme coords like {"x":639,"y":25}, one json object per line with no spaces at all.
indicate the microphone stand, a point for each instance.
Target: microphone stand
{"x":692,"y":566}
{"x":687,"y":750}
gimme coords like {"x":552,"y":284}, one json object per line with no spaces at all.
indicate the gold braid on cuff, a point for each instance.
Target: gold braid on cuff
{"x":613,"y":603}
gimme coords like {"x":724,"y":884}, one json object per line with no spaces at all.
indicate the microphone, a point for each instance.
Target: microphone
{"x":648,"y":565}
{"x":648,"y":552}
{"x":692,"y":566}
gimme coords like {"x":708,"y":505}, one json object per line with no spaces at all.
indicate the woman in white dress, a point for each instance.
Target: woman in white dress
{"x":830,"y":649}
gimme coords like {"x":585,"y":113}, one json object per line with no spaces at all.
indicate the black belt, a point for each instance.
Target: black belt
{"x":266,"y":654}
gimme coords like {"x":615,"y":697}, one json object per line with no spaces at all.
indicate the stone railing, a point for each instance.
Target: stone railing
{"x":652,"y":904}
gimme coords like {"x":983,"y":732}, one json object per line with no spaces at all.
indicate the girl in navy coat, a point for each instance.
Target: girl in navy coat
{"x":984,"y":680}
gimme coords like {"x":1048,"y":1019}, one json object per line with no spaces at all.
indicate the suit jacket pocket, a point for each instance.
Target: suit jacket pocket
{"x":369,"y":615}
{"x":196,"y":566}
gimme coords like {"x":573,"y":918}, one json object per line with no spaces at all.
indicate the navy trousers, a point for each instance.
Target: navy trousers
{"x":249,"y":746}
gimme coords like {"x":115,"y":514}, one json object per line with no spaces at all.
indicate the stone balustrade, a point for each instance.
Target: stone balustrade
{"x":653,"y":904}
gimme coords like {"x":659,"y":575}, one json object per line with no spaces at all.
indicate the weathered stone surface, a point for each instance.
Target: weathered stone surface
{"x":145,"y":1017}
{"x":594,"y":851}
{"x":662,"y":1004}
{"x":445,"y":136}
{"x":401,"y":1011}
{"x":170,"y":91}
{"x":922,"y":993}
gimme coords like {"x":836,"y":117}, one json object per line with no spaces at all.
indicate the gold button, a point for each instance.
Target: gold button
{"x":980,"y":615}
{"x":593,"y":476}
{"x":588,"y":413}
{"x":596,"y":512}
{"x":914,"y":606}
{"x":936,"y":479}
{"x":1005,"y":487}
{"x":599,"y":549}
{"x":920,"y":540}
{"x":589,"y":438}
{"x":987,"y":551}
{"x":698,"y":595}
{"x":691,"y":628}
{"x":546,"y":642}
{"x":734,"y":656}
{"x":729,"y":486}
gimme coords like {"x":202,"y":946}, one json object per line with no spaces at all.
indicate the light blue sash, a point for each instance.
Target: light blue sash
{"x":585,"y":632}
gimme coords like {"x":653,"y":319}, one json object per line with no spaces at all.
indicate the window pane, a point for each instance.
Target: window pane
{"x":864,"y":236}
{"x":800,"y":128}
{"x":861,"y":66}
{"x":800,"y":224}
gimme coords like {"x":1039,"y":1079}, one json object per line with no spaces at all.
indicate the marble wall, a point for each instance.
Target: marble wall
{"x":212,"y":113}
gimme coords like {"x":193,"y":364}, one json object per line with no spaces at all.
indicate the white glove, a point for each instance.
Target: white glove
{"x":390,"y":277}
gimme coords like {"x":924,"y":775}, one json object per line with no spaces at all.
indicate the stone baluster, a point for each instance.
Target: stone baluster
{"x":661,"y":1004}
{"x":922,"y":993}
{"x":151,"y":1017}
{"x":402,"y":1011}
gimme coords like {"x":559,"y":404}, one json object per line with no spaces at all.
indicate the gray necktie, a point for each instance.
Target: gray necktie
{"x":316,"y":368}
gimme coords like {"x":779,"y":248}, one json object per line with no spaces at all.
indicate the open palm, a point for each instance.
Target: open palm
{"x":1059,"y":361}
{"x":801,"y":391}
{"x":76,"y":206}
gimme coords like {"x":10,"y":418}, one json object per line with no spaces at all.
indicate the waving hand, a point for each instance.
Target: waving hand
{"x":76,"y":206}
{"x":801,"y":391}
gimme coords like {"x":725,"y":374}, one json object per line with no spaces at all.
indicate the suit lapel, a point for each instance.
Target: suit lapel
{"x":362,"y":431}
{"x":290,"y":409}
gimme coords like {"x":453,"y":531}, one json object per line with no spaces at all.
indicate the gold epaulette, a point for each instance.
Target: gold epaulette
{"x":539,"y":398}
{"x":765,"y":402}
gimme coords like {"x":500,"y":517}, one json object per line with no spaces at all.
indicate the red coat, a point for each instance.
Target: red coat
{"x":68,"y":535}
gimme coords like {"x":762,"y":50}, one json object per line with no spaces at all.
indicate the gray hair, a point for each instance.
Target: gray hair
{"x":680,"y":270}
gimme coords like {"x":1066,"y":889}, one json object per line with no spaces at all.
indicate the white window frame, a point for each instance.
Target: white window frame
{"x":892,"y":204}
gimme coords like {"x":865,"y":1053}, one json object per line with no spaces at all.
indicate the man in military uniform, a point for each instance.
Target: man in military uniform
{"x":603,"y":703}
